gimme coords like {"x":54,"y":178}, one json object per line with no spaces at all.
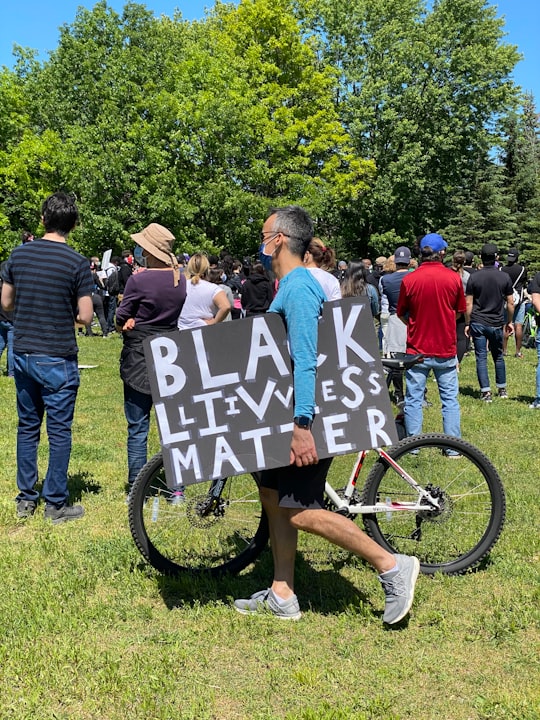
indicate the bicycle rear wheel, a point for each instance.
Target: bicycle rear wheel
{"x":206,"y":531}
{"x":459,"y":535}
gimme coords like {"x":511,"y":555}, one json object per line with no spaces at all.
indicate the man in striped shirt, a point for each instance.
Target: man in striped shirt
{"x":48,"y":286}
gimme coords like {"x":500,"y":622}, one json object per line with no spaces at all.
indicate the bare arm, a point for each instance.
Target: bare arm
{"x":536,"y":301}
{"x":85,"y":310}
{"x":8,"y":297}
{"x":224,"y":308}
{"x":468,"y":311}
{"x":509,"y":309}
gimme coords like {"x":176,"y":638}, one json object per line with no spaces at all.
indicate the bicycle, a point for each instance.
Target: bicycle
{"x":450,"y":516}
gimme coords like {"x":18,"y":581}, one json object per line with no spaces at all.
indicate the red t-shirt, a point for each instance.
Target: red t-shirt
{"x":431,"y":296}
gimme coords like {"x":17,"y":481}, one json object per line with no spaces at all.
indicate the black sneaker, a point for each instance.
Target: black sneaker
{"x":63,"y":513}
{"x":486,"y":396}
{"x":26,"y":508}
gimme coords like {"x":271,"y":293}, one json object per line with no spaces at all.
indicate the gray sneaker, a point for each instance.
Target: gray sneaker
{"x":26,"y":508}
{"x":266,"y":601}
{"x":63,"y":513}
{"x":399,"y":588}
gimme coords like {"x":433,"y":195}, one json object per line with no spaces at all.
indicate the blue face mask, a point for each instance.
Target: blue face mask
{"x":266,"y":260}
{"x":138,"y":255}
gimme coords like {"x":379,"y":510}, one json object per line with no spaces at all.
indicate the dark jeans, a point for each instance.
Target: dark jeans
{"x":44,"y":384}
{"x":111,"y":303}
{"x":137,"y":408}
{"x":482,"y":335}
{"x":97,"y":302}
{"x":6,"y":341}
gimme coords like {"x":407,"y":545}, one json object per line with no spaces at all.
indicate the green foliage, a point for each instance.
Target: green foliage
{"x":89,"y":632}
{"x":379,"y":116}
{"x":419,"y":93}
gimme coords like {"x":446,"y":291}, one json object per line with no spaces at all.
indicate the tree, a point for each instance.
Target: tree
{"x":521,"y":159}
{"x":419,"y":92}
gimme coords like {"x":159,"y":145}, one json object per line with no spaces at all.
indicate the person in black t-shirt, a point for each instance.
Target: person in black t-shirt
{"x":535,"y":295}
{"x":487,"y":291}
{"x":518,"y":276}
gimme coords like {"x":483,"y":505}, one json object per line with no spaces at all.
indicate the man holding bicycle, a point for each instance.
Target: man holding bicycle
{"x":292,"y":496}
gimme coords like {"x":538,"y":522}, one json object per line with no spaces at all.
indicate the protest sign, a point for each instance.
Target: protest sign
{"x":223,"y":394}
{"x":106,"y":259}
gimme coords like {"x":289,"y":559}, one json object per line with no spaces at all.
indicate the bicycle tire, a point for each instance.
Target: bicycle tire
{"x":178,"y":538}
{"x":459,"y":537}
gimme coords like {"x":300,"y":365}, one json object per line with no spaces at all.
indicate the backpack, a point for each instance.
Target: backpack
{"x":113,"y":283}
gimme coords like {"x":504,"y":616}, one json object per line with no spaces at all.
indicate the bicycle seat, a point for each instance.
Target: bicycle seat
{"x":403,"y":362}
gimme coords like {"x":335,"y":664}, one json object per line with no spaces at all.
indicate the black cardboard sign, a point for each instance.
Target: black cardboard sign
{"x":223,"y":394}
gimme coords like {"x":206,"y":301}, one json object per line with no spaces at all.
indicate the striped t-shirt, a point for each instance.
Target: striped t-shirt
{"x":49,"y":277}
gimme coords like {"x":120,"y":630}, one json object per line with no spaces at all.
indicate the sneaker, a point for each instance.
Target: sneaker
{"x":452,"y":454}
{"x":63,"y":513}
{"x":399,"y":588}
{"x":535,"y":405}
{"x":502,"y":393}
{"x":26,"y":508}
{"x":266,"y":601}
{"x":177,"y":497}
{"x":519,"y":355}
{"x":486,"y":396}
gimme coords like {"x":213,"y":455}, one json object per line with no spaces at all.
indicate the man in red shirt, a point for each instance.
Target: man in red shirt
{"x":430,"y":299}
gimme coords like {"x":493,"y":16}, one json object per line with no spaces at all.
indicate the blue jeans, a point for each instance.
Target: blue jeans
{"x":445,"y":371}
{"x":137,"y":407}
{"x":6,"y":340}
{"x":44,"y":384}
{"x":481,"y":335}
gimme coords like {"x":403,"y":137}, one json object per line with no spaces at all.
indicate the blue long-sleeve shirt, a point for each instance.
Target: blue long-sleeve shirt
{"x":299,"y":301}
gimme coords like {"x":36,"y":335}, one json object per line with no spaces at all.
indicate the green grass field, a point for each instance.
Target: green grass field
{"x":90,"y":631}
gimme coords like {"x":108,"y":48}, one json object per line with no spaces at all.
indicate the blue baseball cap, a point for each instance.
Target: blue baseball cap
{"x":434,"y":241}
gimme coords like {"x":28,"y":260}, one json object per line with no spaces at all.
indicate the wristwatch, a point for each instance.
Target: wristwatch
{"x":304,"y":422}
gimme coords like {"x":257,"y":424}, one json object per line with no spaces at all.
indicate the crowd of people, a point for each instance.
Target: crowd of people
{"x":421,"y":302}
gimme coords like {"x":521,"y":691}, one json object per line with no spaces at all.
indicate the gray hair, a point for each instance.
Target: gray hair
{"x":294,"y":222}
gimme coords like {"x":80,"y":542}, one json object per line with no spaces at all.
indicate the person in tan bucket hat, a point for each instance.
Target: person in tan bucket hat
{"x":158,"y":242}
{"x":153,"y":299}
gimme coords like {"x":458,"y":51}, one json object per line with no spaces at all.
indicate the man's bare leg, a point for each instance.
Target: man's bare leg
{"x":518,"y":332}
{"x":283,"y":541}
{"x":342,"y":531}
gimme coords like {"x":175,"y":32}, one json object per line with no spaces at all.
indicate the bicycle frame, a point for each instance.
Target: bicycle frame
{"x":344,"y":503}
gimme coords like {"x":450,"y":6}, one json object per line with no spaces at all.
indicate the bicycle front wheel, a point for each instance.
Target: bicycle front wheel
{"x":209,"y":529}
{"x":457,"y":536}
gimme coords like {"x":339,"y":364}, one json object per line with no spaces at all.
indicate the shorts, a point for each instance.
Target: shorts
{"x":519,"y":313}
{"x":299,"y":487}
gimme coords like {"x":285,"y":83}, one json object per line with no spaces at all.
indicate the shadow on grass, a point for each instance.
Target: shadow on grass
{"x":323,"y":591}
{"x":80,"y":483}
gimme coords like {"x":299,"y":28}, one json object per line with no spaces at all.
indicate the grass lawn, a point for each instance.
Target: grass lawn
{"x":88,"y":630}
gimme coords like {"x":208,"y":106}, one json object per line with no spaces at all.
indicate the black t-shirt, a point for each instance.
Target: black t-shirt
{"x":489,"y":288}
{"x":534,"y":286}
{"x":518,"y":276}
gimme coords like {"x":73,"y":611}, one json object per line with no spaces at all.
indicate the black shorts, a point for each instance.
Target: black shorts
{"x":298,"y":487}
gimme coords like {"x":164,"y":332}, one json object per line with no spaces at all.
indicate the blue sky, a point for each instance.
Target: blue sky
{"x":34,"y":24}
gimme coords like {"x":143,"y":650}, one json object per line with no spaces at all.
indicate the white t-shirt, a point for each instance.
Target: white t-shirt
{"x":199,"y":305}
{"x":328,"y":282}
